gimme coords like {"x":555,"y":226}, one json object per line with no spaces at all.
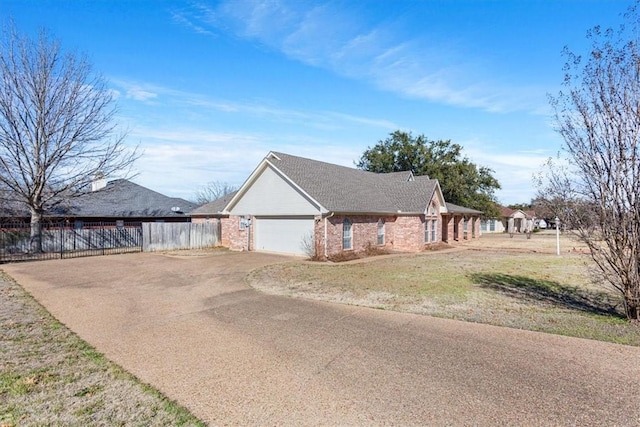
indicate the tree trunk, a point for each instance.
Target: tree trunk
{"x":633,"y":308}
{"x":36,"y":231}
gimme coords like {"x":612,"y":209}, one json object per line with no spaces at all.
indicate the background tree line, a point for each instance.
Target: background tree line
{"x":462,"y":182}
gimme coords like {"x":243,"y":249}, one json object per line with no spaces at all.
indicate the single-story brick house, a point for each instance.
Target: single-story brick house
{"x":109,"y":201}
{"x":295,"y":205}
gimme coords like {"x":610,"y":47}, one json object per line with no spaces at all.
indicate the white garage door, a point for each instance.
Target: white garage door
{"x":282,"y":234}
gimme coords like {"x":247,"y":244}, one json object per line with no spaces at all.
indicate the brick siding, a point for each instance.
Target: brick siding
{"x":233,"y":237}
{"x":402,"y":232}
{"x":449,"y":227}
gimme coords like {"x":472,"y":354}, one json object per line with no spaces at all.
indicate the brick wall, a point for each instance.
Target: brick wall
{"x":456,"y":229}
{"x":402,"y":233}
{"x":447,"y":228}
{"x":318,"y":235}
{"x":364,"y":231}
{"x":232,"y":236}
{"x":408,"y":233}
{"x":449,"y":225}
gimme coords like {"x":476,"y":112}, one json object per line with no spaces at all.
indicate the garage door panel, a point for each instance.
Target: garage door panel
{"x":284,"y":235}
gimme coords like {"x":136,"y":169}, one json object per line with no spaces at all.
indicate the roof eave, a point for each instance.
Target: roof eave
{"x":254,"y":175}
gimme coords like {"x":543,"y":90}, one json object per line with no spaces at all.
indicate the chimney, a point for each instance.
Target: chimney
{"x":99,"y":182}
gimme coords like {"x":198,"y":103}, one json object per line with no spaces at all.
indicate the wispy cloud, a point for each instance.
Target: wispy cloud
{"x":140,"y":94}
{"x":138,"y":91}
{"x":379,"y":123}
{"x":169,"y":97}
{"x":176,"y":148}
{"x":332,"y":36}
{"x":179,"y":161}
{"x":190,"y":24}
{"x":184,"y":144}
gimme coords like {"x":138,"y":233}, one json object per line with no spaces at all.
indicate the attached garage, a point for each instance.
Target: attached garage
{"x":284,"y":235}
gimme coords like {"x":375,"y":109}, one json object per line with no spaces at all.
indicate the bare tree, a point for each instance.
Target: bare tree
{"x":213,"y":191}
{"x":597,"y":187}
{"x":56,"y":125}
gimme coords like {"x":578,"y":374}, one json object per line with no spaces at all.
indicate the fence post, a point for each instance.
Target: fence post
{"x":61,"y":239}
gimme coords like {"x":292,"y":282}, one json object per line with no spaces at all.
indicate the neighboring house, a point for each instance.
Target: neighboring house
{"x":117,"y":200}
{"x":301,"y":206}
{"x":10,"y":210}
{"x":511,"y":220}
{"x":491,"y":225}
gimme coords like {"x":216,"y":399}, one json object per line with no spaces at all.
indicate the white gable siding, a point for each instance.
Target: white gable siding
{"x":270,"y":194}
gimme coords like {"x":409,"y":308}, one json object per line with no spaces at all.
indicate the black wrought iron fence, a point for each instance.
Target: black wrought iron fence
{"x":65,"y":240}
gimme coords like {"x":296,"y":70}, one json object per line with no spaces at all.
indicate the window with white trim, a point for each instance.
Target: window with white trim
{"x":381,"y":231}
{"x":347,"y":234}
{"x":426,"y":230}
{"x":434,"y":223}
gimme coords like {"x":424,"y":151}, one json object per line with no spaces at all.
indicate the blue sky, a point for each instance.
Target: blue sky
{"x":208,"y":88}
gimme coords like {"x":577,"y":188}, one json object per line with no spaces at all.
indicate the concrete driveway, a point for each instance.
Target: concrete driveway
{"x":191,"y":327}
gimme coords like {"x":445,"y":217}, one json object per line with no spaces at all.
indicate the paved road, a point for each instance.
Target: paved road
{"x":192,"y":328}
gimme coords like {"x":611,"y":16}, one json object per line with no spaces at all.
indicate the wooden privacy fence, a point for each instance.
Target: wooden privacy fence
{"x":162,"y":236}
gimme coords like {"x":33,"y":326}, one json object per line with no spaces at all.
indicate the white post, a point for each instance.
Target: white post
{"x":557,"y":236}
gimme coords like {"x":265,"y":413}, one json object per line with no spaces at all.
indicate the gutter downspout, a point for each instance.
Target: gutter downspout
{"x":249,"y":235}
{"x":325,"y":233}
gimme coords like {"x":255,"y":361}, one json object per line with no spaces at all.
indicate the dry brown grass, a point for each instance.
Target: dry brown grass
{"x":515,"y":282}
{"x":370,"y":250}
{"x":49,"y":376}
{"x":540,"y":242}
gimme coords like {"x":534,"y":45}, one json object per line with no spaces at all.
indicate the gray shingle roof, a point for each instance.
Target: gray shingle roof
{"x":11,"y":209}
{"x":123,"y":198}
{"x":343,"y":189}
{"x":215,"y":207}
{"x":119,"y":199}
{"x":461,"y":209}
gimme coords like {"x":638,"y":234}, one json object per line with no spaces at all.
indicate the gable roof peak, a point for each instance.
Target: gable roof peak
{"x":347,"y":189}
{"x":272,"y":155}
